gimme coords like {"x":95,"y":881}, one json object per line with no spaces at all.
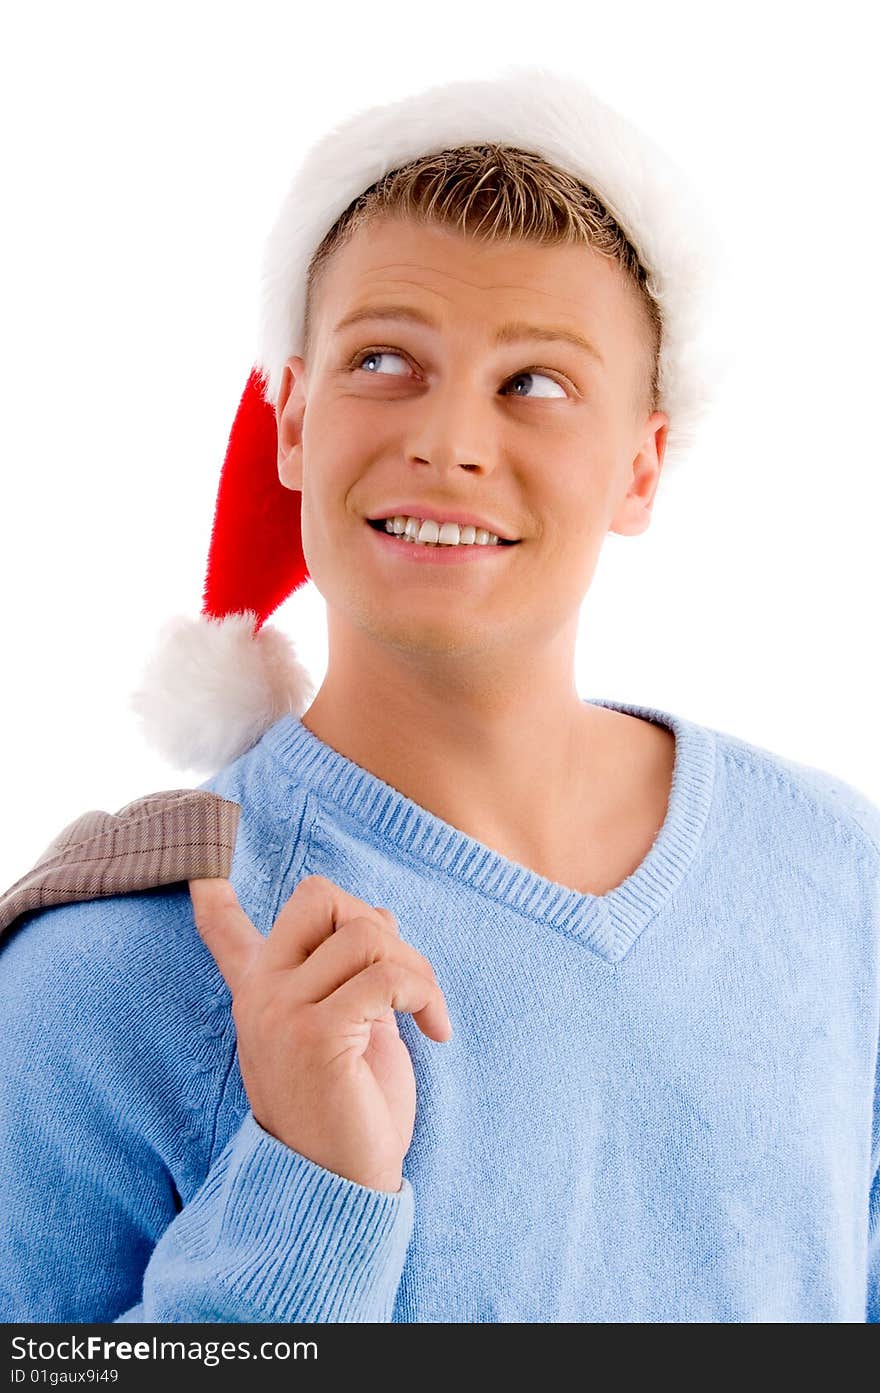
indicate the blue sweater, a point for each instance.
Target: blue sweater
{"x":659,"y":1104}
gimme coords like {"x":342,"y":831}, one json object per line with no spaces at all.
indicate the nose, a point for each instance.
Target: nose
{"x":453,"y":425}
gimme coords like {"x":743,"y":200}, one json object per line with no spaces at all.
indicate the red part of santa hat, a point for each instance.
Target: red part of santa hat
{"x":217,"y":682}
{"x":255,"y":559}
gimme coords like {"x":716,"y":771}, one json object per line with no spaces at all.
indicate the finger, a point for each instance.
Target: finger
{"x":224,"y":928}
{"x":390,"y":919}
{"x":385,"y":984}
{"x":353,"y":947}
{"x":314,"y":911}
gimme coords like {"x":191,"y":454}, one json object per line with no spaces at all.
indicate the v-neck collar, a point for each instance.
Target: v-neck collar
{"x":608,"y":924}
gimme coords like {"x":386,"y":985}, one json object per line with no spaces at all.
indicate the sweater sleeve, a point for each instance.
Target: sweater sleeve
{"x":94,"y":1225}
{"x":272,"y":1236}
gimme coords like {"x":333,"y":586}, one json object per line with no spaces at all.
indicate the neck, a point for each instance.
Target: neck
{"x":504,"y":750}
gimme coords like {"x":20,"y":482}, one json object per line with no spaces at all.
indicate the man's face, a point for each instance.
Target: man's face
{"x":537,"y":435}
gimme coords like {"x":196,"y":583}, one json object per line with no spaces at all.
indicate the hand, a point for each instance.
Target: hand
{"x":321,"y":1057}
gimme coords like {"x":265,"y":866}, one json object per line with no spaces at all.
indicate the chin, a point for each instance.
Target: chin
{"x":443,"y":635}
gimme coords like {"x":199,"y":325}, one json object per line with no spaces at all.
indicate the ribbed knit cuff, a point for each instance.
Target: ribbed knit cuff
{"x":294,"y":1241}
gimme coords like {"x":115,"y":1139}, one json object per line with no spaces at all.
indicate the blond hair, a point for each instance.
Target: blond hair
{"x":499,"y":192}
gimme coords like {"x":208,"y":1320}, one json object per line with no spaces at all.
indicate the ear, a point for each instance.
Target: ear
{"x":289,"y":411}
{"x":633,"y":512}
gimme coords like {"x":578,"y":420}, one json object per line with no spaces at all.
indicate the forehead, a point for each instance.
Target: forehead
{"x":452,"y":275}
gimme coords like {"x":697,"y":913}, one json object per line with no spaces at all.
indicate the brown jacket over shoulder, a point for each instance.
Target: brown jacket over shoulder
{"x":180,"y":834}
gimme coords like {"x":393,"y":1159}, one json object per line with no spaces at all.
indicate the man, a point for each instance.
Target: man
{"x":656,"y":943}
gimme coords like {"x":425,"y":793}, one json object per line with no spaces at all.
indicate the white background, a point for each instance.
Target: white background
{"x":146,"y":152}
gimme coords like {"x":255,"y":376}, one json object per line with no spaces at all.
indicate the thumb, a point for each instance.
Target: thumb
{"x":224,"y":927}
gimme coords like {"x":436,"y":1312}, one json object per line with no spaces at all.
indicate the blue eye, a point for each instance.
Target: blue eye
{"x":376,"y":353}
{"x":364,"y":357}
{"x":540,"y":377}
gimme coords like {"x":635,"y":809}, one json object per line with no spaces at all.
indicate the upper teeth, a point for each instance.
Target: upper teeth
{"x":445,"y":533}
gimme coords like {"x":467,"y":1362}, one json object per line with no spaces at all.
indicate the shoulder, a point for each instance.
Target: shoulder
{"x":137,"y":954}
{"x":112,"y":888}
{"x":118,"y":1038}
{"x":121,"y":979}
{"x":805,"y":791}
{"x":113,"y":1007}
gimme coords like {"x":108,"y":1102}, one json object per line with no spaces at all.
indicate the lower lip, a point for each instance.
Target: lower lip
{"x":437,"y":555}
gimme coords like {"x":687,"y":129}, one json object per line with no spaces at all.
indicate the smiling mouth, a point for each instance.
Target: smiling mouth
{"x":379,"y":526}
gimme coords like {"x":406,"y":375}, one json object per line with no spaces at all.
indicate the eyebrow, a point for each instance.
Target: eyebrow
{"x":516,"y":332}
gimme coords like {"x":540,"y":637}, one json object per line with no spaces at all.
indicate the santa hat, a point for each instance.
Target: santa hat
{"x":218,"y":681}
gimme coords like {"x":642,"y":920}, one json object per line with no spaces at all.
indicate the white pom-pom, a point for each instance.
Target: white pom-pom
{"x":212,"y":688}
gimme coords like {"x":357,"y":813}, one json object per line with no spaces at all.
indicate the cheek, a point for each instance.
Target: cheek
{"x":580,"y":526}
{"x":332,"y":453}
{"x":572,"y":492}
